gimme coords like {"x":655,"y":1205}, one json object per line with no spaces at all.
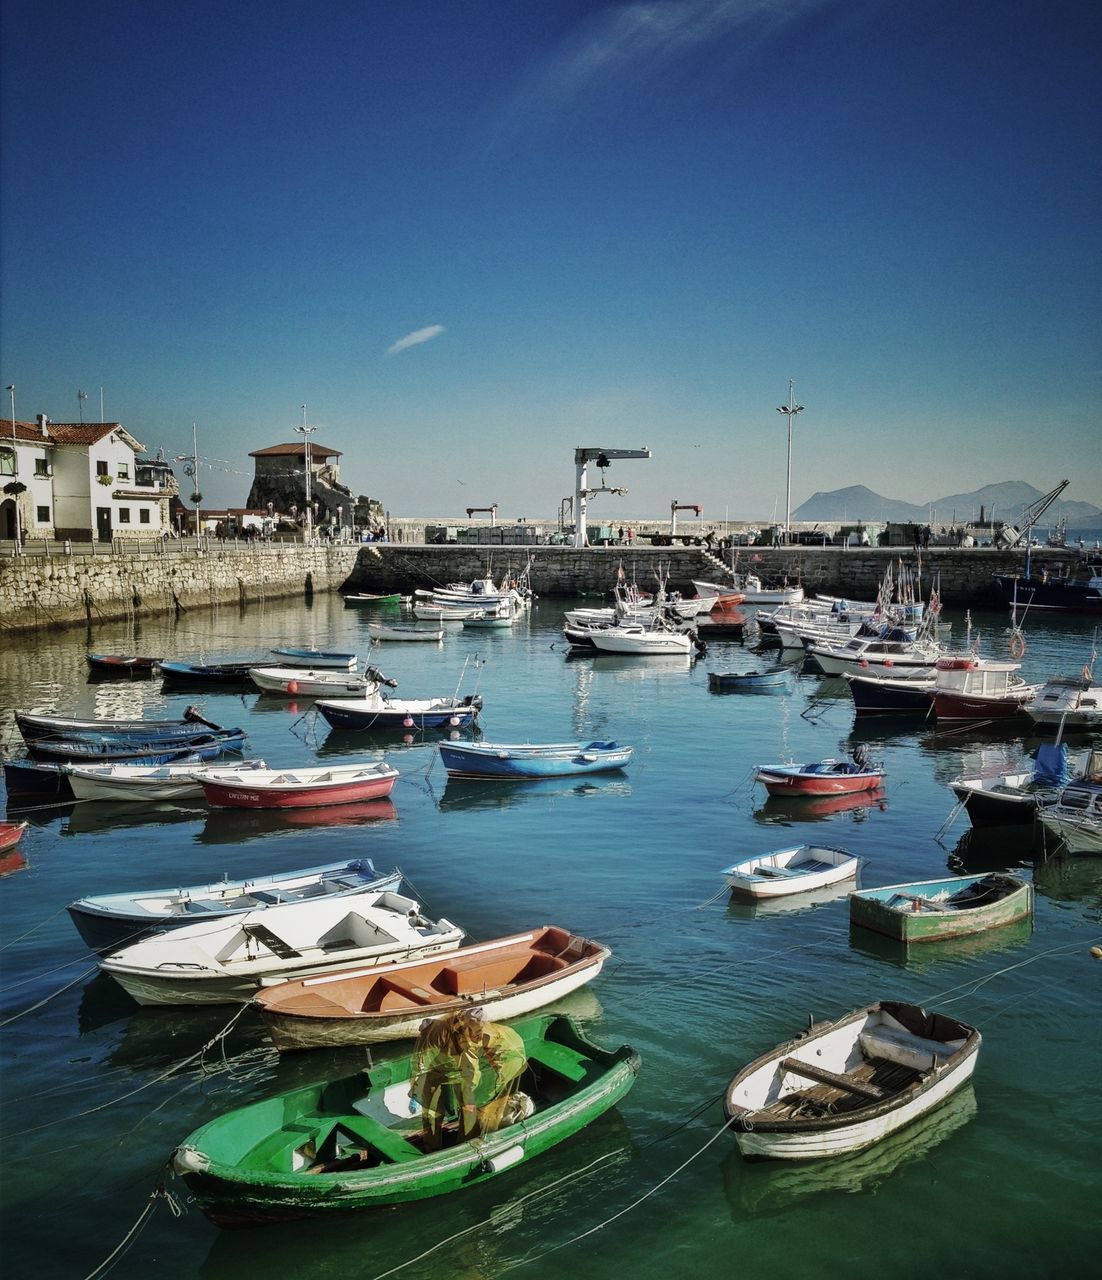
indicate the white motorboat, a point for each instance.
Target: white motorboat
{"x":635,"y":640}
{"x":1076,"y":817}
{"x":227,"y":962}
{"x":1068,"y":702}
{"x":147,"y":784}
{"x":304,"y":682}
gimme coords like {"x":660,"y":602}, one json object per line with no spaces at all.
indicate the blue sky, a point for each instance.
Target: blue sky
{"x":471,"y":235}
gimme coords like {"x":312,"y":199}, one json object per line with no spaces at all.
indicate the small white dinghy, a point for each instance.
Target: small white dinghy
{"x":147,"y":783}
{"x":305,"y":682}
{"x":226,"y":962}
{"x":844,"y":1085}
{"x":429,"y":635}
{"x":794,"y":870}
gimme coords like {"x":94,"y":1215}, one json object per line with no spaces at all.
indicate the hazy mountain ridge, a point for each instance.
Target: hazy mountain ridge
{"x":1003,"y":501}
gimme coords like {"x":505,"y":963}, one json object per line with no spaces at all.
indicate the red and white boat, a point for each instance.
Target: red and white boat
{"x":970,"y":688}
{"x":10,"y":834}
{"x":822,"y":777}
{"x":297,"y":788}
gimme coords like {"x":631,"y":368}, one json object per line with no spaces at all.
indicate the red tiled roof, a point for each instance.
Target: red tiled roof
{"x":81,"y":432}
{"x":296,"y":450}
{"x":26,"y":431}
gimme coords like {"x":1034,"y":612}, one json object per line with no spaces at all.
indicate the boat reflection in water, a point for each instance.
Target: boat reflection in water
{"x":927,"y":955}
{"x":12,"y":861}
{"x":479,"y":793}
{"x":88,"y":817}
{"x":765,"y":1188}
{"x":359,"y":742}
{"x":1073,"y":879}
{"x":992,"y":848}
{"x":233,"y":826}
{"x":785,"y":810}
{"x":740,"y":908}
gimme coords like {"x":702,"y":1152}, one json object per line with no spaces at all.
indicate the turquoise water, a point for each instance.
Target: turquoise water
{"x":1002,"y":1182}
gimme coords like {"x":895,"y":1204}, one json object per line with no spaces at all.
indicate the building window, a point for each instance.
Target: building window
{"x":124,"y":515}
{"x":122,"y":470}
{"x":143,"y":515}
{"x":41,"y":467}
{"x":101,"y":468}
{"x":7,"y":462}
{"x":42,"y":515}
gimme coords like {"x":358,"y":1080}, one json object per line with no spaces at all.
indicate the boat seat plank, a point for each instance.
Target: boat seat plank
{"x":809,"y":1071}
{"x":389,"y":1144}
{"x":276,"y":945}
{"x":779,"y":873}
{"x":560,"y":1058}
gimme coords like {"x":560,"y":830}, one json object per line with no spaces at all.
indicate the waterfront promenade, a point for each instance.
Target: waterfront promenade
{"x":66,"y":587}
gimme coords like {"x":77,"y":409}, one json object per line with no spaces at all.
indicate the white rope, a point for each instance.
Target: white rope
{"x":158,"y":1193}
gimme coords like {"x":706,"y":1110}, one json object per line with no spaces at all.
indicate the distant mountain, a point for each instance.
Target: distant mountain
{"x":1005,"y":501}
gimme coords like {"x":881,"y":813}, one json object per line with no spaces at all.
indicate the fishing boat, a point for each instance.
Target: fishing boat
{"x":304,"y":788}
{"x":366,"y":599}
{"x":120,"y":664}
{"x":1016,"y":796}
{"x":110,"y":921}
{"x":794,"y":870}
{"x":643,"y":643}
{"x":378,"y":711}
{"x":1068,"y":703}
{"x":35,"y":727}
{"x":294,"y":657}
{"x":352,"y":1143}
{"x":844,"y":1085}
{"x":714,"y":595}
{"x":227,"y":961}
{"x":505,"y":977}
{"x":207,"y":746}
{"x":877,"y":695}
{"x":489,"y":619}
{"x":967,"y":687}
{"x":205,"y":672}
{"x":10,"y":834}
{"x":531,"y":760}
{"x":822,"y":777}
{"x":429,"y":612}
{"x":1078,"y":589}
{"x":304,"y":682}
{"x":415,"y":634}
{"x":770,"y":678}
{"x":146,"y":783}
{"x":861,"y":654}
{"x":933,"y":910}
{"x":1076,"y":817}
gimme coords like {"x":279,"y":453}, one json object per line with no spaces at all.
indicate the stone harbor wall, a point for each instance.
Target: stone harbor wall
{"x":56,"y":590}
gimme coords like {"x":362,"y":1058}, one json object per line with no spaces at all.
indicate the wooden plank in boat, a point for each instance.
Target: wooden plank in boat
{"x":809,"y":1071}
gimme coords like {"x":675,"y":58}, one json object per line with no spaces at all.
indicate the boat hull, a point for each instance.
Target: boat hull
{"x":790,"y":871}
{"x":779,"y":783}
{"x":878,"y":696}
{"x":484,"y":760}
{"x":307,"y":683}
{"x":316,"y":658}
{"x":239,"y":794}
{"x":960,"y":706}
{"x":1052,"y":594}
{"x":402,"y":716}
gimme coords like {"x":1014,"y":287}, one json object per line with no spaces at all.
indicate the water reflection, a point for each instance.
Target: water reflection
{"x":992,"y":848}
{"x":765,"y":1188}
{"x":477,"y":793}
{"x":235,"y":826}
{"x":12,"y":861}
{"x":87,"y":817}
{"x":352,"y":742}
{"x":741,"y":908}
{"x":921,"y":957}
{"x":1067,"y":880}
{"x":786,"y":810}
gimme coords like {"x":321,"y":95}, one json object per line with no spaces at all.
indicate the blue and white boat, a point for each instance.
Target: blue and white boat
{"x":531,"y":760}
{"x":208,"y":747}
{"x":294,"y":657}
{"x":771,"y":680}
{"x":376,"y":711}
{"x":36,"y":727}
{"x":112,"y":920}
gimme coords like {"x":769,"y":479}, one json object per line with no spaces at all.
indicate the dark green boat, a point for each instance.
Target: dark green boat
{"x":351,"y":1143}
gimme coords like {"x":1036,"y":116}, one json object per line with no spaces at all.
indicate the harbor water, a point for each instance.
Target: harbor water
{"x":1002,"y":1181}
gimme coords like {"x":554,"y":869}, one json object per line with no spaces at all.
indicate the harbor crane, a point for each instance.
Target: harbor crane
{"x":686,"y":539}
{"x":1011,"y":535}
{"x":491,"y":511}
{"x":603,"y":459}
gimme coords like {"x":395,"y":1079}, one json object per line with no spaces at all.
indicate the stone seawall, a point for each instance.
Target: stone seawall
{"x":38,"y":591}
{"x":65,"y":590}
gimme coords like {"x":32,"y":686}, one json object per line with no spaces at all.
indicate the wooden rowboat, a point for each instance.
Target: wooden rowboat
{"x":296,"y":788}
{"x":367,"y":600}
{"x":351,"y":1143}
{"x":531,"y":760}
{"x":933,"y":910}
{"x":380,"y":631}
{"x":748,"y":681}
{"x":294,"y":657}
{"x":844,"y":1085}
{"x":10,"y":834}
{"x":307,"y":683}
{"x":793,"y":870}
{"x":120,"y":664}
{"x":506,"y":977}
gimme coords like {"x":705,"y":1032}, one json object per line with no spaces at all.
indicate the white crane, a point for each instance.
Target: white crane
{"x":603,"y":458}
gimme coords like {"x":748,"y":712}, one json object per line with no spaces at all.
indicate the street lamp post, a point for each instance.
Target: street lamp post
{"x":15,"y":471}
{"x":789,"y":410}
{"x":305,"y":432}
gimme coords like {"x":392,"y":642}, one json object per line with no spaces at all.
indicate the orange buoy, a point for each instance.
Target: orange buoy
{"x":292,"y":686}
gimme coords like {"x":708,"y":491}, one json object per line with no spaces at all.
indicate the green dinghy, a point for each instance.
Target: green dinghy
{"x":351,"y":1143}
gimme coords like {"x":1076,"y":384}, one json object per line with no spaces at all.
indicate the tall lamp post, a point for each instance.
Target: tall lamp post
{"x":15,"y":471}
{"x":789,"y":410}
{"x":305,"y":432}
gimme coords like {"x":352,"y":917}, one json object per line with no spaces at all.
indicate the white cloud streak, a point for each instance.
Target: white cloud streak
{"x":415,"y":338}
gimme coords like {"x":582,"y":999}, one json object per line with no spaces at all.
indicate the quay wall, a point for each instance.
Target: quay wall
{"x":59,"y":590}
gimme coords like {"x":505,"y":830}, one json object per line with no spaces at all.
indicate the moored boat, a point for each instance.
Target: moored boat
{"x":1075,"y":818}
{"x":1067,"y":703}
{"x":933,"y":910}
{"x":794,"y":870}
{"x":228,"y":961}
{"x":1015,"y":796}
{"x":967,"y":687}
{"x":206,"y":746}
{"x":844,"y":1085}
{"x":531,"y":760}
{"x":146,"y":783}
{"x":739,"y":681}
{"x":376,"y":712}
{"x":505,"y":977}
{"x":642,"y":643}
{"x":205,"y":672}
{"x":352,"y":1144}
{"x":109,"y":921}
{"x":307,"y":683}
{"x":822,"y":777}
{"x":10,"y":834}
{"x":881,"y":695}
{"x":120,"y":664}
{"x":296,"y":788}
{"x":415,"y":634}
{"x":366,"y":600}
{"x":35,"y":727}
{"x":308,"y":657}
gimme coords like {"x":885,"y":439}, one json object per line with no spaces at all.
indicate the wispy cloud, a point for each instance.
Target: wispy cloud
{"x":415,"y":338}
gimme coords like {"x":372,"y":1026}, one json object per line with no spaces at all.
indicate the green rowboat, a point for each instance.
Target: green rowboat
{"x":933,"y":910}
{"x":351,"y":1143}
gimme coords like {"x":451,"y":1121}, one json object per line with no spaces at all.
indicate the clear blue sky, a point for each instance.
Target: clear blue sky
{"x":471,"y":235}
